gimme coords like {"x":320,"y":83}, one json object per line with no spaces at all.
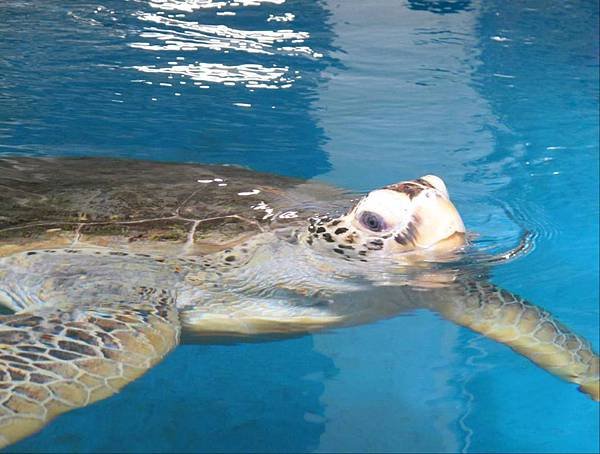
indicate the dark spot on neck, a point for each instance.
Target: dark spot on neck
{"x":374,"y":245}
{"x":340,"y":230}
{"x":327,"y":237}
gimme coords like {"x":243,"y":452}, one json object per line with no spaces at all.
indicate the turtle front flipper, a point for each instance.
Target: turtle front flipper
{"x":526,"y":328}
{"x":58,"y":358}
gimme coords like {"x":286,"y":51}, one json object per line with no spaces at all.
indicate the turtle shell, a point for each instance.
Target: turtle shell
{"x":155,"y":207}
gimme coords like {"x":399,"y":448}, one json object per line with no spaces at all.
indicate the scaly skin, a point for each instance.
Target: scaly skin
{"x":59,"y":358}
{"x":527,"y":329}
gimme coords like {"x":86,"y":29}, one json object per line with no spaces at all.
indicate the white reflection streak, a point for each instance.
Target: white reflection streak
{"x":193,"y":5}
{"x":254,"y":76}
{"x":287,"y":17}
{"x":192,"y":36}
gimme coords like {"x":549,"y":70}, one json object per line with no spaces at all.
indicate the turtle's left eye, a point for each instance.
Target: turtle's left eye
{"x":372,"y":221}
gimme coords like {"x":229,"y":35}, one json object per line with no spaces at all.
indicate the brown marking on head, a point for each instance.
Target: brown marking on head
{"x":425,"y":183}
{"x":409,"y":188}
{"x":409,"y":234}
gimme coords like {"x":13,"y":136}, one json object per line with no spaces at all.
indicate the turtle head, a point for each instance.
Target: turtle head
{"x":409,"y":216}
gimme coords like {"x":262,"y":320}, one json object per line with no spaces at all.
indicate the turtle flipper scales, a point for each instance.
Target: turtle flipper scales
{"x":55,"y":359}
{"x":527,"y":329}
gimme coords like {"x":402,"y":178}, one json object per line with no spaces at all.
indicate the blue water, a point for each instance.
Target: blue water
{"x":500,"y":98}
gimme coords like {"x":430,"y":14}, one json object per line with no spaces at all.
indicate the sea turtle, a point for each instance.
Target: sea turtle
{"x":105,"y":264}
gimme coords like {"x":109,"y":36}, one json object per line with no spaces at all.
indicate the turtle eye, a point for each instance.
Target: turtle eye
{"x":372,"y":221}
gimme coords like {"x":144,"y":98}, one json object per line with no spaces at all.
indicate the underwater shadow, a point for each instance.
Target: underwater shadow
{"x":234,"y":398}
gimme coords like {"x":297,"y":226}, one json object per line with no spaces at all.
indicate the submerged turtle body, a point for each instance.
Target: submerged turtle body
{"x":104,"y":264}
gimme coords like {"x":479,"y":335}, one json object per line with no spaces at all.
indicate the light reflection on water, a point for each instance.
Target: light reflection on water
{"x":173,"y":33}
{"x":252,"y":76}
{"x":217,"y":37}
{"x":193,"y":5}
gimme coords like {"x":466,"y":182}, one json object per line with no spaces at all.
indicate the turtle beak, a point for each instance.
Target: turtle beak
{"x":439,"y":221}
{"x":435,"y":224}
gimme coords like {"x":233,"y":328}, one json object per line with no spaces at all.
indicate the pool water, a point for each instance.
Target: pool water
{"x":499,"y":98}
